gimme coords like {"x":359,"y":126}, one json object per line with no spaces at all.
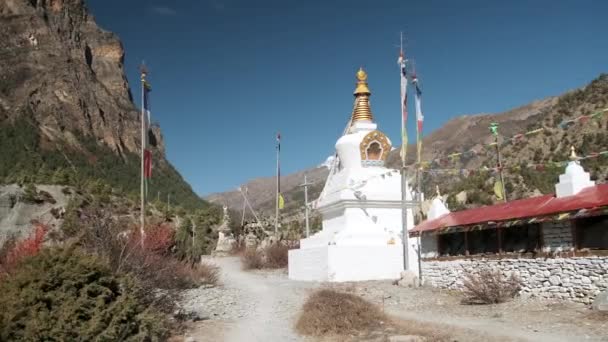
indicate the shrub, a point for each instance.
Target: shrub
{"x":30,"y":194}
{"x":16,"y":251}
{"x":239,"y":247}
{"x":276,"y":256}
{"x":272,"y":256}
{"x":489,"y":286}
{"x":252,"y":259}
{"x":332,"y":312}
{"x":152,"y":263}
{"x":63,"y":295}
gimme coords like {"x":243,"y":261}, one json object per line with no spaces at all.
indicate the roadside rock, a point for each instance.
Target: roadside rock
{"x":408,"y":279}
{"x":600,"y":303}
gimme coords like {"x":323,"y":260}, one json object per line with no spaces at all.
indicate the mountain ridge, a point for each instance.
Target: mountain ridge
{"x":470,"y":131}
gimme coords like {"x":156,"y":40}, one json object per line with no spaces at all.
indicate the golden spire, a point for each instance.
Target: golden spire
{"x":362,"y":111}
{"x":573,"y":156}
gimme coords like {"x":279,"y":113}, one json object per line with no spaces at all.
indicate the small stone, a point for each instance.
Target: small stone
{"x":408,"y":279}
{"x":554,"y":280}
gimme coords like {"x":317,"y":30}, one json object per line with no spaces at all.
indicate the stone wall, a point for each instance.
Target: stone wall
{"x":577,"y":279}
{"x":428,"y":246}
{"x":557,"y":236}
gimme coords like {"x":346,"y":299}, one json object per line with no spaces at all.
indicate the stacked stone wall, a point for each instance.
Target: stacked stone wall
{"x":557,"y":236}
{"x":577,"y":279}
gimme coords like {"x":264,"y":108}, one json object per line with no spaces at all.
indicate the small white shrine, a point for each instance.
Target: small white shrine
{"x":574,"y":179}
{"x":361,"y":209}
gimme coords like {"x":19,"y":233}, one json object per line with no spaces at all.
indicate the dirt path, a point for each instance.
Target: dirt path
{"x":263,"y":306}
{"x":267,"y":305}
{"x":275,"y":300}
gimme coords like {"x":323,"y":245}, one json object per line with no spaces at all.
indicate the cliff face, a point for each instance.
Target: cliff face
{"x":66,"y":112}
{"x":67,"y":73}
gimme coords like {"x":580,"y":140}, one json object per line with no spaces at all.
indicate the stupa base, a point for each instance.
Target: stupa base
{"x":335,"y":263}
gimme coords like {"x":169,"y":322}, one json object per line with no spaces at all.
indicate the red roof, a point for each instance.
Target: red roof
{"x":591,"y":197}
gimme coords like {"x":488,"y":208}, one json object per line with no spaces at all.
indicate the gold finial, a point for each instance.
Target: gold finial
{"x":362,"y":83}
{"x":437,"y":191}
{"x":573,"y":156}
{"x":361,"y":75}
{"x":362,"y":110}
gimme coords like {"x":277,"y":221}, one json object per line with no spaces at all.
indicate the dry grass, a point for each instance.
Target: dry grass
{"x":329,"y":312}
{"x":239,"y":248}
{"x":271,"y":257}
{"x":276,"y":256}
{"x":208,"y":274}
{"x":600,"y":316}
{"x":153,"y":264}
{"x":252,"y":259}
{"x":489,"y":286}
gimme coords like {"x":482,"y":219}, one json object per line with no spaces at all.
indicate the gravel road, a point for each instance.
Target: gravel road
{"x":263,"y":306}
{"x":252,"y":306}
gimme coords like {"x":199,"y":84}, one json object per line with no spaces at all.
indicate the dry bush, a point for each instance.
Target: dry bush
{"x":205,"y":273}
{"x":152,"y":262}
{"x":276,"y":256}
{"x":271,"y":257}
{"x":252,"y":259}
{"x":14,"y":251}
{"x":489,"y":286}
{"x":601,"y":316}
{"x":239,"y":248}
{"x":328,"y":312}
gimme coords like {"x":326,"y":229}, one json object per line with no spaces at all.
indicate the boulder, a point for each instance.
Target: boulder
{"x":408,"y":279}
{"x":600,"y":303}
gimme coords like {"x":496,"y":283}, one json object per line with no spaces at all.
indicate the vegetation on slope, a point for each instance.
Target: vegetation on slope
{"x":63,"y":294}
{"x":26,"y":157}
{"x":552,"y":145}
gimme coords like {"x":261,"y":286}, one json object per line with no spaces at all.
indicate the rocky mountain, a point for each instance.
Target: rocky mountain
{"x":66,"y":111}
{"x":468,"y":132}
{"x":261,"y":192}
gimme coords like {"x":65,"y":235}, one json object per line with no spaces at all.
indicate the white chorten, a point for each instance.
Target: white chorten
{"x":574,"y":179}
{"x":437,"y":208}
{"x":361,"y":208}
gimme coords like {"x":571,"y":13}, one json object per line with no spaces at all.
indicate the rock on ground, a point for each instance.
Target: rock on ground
{"x":600,"y":303}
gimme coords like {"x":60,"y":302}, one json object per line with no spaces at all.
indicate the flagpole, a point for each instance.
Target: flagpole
{"x":276,"y":218}
{"x":419,"y":119}
{"x":494,"y":131}
{"x":143,"y":142}
{"x":404,"y":229}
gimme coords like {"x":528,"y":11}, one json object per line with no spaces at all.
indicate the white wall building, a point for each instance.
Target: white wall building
{"x":361,"y":210}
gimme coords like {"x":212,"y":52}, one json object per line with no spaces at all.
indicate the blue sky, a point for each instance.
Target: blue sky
{"x":227,"y":74}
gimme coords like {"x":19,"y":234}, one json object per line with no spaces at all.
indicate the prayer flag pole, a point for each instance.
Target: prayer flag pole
{"x":144,"y":72}
{"x":419,"y":120}
{"x":404,"y":231}
{"x":276,"y":219}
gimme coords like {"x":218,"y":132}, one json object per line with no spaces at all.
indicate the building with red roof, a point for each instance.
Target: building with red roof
{"x":557,"y":244}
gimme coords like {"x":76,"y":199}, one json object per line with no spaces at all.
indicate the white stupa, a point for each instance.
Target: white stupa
{"x":437,"y":208}
{"x":361,"y":208}
{"x":574,"y":179}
